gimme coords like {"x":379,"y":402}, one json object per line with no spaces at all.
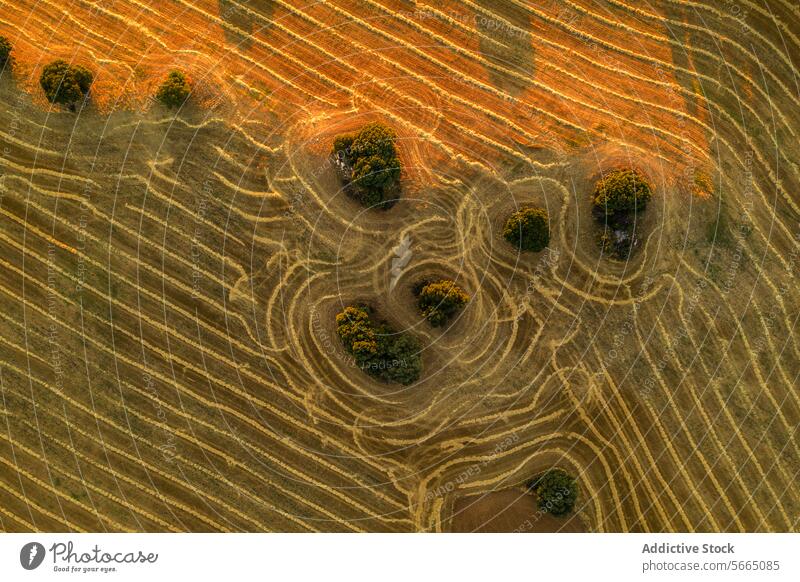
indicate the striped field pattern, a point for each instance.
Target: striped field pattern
{"x":169,"y":281}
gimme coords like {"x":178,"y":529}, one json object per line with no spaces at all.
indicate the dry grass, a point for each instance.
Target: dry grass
{"x":169,"y":357}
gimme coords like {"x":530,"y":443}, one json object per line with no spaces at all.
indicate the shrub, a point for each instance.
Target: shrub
{"x":368,"y":163}
{"x":175,"y":90}
{"x":528,"y":229}
{"x":5,"y":51}
{"x":556,"y":492}
{"x":440,"y":300}
{"x":356,"y":331}
{"x":65,"y":84}
{"x":377,"y":349}
{"x":621,"y":191}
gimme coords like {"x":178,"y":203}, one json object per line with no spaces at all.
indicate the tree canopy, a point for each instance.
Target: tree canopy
{"x":528,"y":229}
{"x":5,"y":51}
{"x":368,"y":164}
{"x":65,"y":84}
{"x":175,"y":90}
{"x":440,"y":300}
{"x":376,"y":348}
{"x":621,"y":191}
{"x":556,"y":492}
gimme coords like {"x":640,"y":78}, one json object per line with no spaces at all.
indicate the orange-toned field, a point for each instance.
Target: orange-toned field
{"x":168,"y":350}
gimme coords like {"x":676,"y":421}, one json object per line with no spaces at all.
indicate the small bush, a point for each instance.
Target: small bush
{"x":528,"y":229}
{"x":65,"y":84}
{"x":377,"y":349}
{"x":621,"y":191}
{"x":368,"y":164}
{"x":175,"y":90}
{"x":440,"y":300}
{"x":5,"y":51}
{"x":556,"y":492}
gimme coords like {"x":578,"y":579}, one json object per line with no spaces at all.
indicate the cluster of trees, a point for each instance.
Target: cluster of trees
{"x":66,"y":84}
{"x":440,"y":300}
{"x":556,"y":492}
{"x":528,"y":229}
{"x":389,"y":355}
{"x":617,"y":199}
{"x":368,"y":164}
{"x":378,"y":349}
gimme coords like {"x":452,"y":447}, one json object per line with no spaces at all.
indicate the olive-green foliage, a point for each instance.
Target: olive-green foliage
{"x":342,"y":144}
{"x":528,"y":229}
{"x":5,"y":51}
{"x":369,"y":163}
{"x":374,"y":139}
{"x":440,"y":300}
{"x":355,"y":330}
{"x":84,"y":78}
{"x":65,"y":84}
{"x":175,"y":90}
{"x":377,"y":349}
{"x":621,"y":191}
{"x":556,"y":492}
{"x":375,"y":171}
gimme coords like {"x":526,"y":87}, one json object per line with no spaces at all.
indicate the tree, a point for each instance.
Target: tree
{"x":368,"y":163}
{"x":528,"y":229}
{"x":618,"y":198}
{"x":84,"y":77}
{"x":377,"y":349}
{"x":65,"y":84}
{"x":5,"y":51}
{"x":175,"y":90}
{"x":621,"y":191}
{"x":355,"y":330}
{"x":556,"y":492}
{"x":440,"y":300}
{"x":374,"y":139}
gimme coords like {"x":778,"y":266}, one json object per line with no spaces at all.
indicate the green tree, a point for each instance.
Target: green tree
{"x":377,"y":349}
{"x":342,"y":145}
{"x":440,"y":300}
{"x":528,"y":229}
{"x":84,"y":78}
{"x":175,"y":90}
{"x":355,"y":330}
{"x":374,"y":139}
{"x":5,"y":51}
{"x":556,"y":492}
{"x":65,"y":84}
{"x":368,"y":163}
{"x":621,"y":191}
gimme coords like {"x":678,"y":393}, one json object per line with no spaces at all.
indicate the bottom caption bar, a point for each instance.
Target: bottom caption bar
{"x":390,"y":557}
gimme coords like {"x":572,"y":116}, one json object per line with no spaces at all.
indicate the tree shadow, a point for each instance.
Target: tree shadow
{"x":237,"y":14}
{"x":506,"y":41}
